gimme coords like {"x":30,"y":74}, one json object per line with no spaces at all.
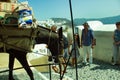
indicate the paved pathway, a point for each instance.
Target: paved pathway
{"x":97,"y":71}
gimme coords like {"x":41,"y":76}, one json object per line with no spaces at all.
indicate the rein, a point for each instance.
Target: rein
{"x":49,"y":38}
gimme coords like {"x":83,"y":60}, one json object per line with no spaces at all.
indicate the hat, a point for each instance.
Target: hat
{"x":85,"y":24}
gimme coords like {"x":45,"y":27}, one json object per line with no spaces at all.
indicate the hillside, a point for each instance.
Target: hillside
{"x":106,"y":20}
{"x":80,"y":21}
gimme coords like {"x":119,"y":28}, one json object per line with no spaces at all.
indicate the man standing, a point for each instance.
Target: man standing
{"x":116,"y":43}
{"x":87,"y":40}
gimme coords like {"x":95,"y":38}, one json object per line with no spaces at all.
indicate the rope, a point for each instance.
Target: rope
{"x":31,"y":66}
{"x":22,"y":48}
{"x":70,"y":5}
{"x":23,"y":4}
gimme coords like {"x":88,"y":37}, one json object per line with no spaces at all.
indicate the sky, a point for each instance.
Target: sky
{"x":45,"y":9}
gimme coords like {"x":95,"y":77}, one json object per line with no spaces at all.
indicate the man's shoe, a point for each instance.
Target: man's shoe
{"x":85,"y":63}
{"x":113,"y":63}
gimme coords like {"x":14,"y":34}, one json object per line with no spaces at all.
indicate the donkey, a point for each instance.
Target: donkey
{"x":44,"y":35}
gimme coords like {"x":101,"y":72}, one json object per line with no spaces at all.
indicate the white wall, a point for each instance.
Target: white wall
{"x":104,"y":42}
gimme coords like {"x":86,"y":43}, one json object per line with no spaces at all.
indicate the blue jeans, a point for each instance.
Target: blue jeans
{"x":65,"y":54}
{"x":115,"y":53}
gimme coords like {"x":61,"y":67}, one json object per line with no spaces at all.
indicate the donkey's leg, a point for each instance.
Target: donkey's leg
{"x":62,"y":65}
{"x":11,"y":65}
{"x":23,"y":60}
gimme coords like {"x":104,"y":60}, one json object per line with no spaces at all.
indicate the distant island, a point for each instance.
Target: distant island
{"x":80,"y":21}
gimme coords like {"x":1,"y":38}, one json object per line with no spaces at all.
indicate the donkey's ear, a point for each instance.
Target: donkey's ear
{"x":60,"y":33}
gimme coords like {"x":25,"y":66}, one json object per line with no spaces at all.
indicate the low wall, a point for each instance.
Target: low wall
{"x":103,"y":50}
{"x":104,"y":46}
{"x":36,"y":60}
{"x":4,"y":61}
